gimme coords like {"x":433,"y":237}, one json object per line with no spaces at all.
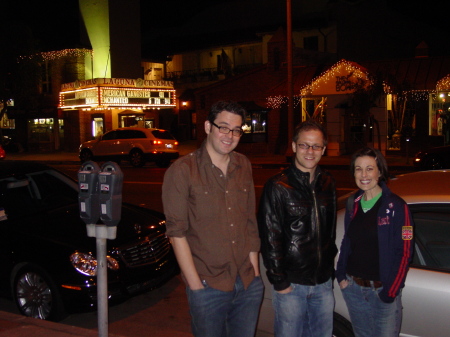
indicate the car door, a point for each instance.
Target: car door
{"x":18,"y":207}
{"x":426,"y":296}
{"x":107,"y":144}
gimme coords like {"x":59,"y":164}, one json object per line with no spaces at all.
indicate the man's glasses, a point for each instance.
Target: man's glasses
{"x":306,"y":147}
{"x":225,"y":130}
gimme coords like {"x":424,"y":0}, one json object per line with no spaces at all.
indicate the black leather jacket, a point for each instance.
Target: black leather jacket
{"x":297,"y":226}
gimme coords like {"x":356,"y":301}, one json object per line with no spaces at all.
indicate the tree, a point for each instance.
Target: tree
{"x":365,"y":96}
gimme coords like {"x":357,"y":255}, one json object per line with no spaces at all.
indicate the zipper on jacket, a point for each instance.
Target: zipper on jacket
{"x":316,"y":216}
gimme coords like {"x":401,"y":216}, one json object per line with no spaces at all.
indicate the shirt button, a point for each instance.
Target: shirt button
{"x":226,"y":191}
{"x":233,"y":241}
{"x":229,"y":208}
{"x":232,"y":225}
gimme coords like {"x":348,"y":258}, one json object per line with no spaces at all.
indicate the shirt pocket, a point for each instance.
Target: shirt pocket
{"x":242,"y":198}
{"x":204,"y":202}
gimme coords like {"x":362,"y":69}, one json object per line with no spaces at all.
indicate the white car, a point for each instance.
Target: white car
{"x":426,"y":296}
{"x":137,"y":145}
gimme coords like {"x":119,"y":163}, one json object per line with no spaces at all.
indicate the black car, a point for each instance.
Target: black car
{"x":435,"y":158}
{"x":48,"y":261}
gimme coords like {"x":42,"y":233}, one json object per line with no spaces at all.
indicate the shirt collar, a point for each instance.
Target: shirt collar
{"x":205,"y":159}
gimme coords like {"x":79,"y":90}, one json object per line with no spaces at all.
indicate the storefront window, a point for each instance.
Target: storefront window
{"x":314,"y":107}
{"x":439,"y":118}
{"x":255,"y":122}
{"x":97,"y":126}
{"x":134,"y":120}
{"x":40,"y":130}
{"x":7,"y":123}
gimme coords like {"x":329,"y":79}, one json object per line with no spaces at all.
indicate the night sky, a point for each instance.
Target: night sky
{"x":55,"y":21}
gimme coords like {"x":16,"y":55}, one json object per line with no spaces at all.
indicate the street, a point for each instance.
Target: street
{"x":142,"y":186}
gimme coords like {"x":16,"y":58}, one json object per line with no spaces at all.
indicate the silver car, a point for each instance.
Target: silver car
{"x":426,"y":296}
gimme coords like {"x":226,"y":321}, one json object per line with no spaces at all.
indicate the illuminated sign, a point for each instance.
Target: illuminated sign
{"x":116,"y":82}
{"x":91,"y":94}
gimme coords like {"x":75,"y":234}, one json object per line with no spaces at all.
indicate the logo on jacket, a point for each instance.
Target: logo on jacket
{"x":407,"y":232}
{"x":383,"y":221}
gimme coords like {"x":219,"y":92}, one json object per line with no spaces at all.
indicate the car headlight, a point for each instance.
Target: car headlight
{"x":86,"y":264}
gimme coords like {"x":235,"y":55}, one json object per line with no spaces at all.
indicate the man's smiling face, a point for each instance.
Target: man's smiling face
{"x":222,"y":143}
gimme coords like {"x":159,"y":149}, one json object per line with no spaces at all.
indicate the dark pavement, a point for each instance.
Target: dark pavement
{"x":260,"y":160}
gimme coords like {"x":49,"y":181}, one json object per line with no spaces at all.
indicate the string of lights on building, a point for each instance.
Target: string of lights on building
{"x":57,"y":54}
{"x":276,"y":102}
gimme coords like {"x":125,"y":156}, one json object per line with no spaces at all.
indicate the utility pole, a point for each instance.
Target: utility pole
{"x":290,"y":88}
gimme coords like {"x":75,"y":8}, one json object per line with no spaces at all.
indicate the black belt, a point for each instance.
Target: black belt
{"x":366,"y":283}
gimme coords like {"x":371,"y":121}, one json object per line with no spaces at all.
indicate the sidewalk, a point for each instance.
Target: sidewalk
{"x":12,"y":325}
{"x":258,"y":161}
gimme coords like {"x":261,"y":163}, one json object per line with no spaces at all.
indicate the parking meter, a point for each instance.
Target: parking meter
{"x":88,"y":195}
{"x":110,"y":181}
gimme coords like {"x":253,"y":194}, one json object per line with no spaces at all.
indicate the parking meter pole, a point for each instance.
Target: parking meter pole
{"x":102,"y":281}
{"x":100,"y":196}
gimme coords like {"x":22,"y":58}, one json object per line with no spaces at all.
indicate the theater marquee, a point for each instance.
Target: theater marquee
{"x":117,"y":92}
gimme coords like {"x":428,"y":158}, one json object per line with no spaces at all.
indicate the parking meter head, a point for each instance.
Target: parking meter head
{"x":110,"y":183}
{"x":88,"y":193}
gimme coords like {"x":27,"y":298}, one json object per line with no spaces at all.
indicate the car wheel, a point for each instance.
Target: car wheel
{"x":137,"y":158}
{"x":86,"y":155}
{"x":433,"y":163}
{"x":341,"y":327}
{"x":163,"y":163}
{"x":36,"y":295}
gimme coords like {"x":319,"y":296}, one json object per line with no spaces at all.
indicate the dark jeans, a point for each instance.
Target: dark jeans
{"x":370,"y":316}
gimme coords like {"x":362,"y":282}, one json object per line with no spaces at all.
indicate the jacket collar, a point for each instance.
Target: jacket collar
{"x":292,"y":169}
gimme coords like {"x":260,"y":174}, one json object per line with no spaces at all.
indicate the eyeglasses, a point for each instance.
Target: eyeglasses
{"x":225,"y":130}
{"x":314,"y":147}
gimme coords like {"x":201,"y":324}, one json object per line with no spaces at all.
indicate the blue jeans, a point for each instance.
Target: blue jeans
{"x":370,"y":316}
{"x":216,"y":313}
{"x":305,"y":311}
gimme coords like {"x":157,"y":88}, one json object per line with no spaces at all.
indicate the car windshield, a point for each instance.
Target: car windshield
{"x":34,"y":192}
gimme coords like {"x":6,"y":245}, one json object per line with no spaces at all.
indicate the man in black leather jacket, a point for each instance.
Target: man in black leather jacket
{"x":297,"y":226}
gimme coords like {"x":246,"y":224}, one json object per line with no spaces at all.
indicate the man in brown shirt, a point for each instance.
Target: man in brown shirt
{"x":209,"y":203}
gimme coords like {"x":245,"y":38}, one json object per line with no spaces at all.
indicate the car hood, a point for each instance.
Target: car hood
{"x":138,"y":221}
{"x":64,"y":228}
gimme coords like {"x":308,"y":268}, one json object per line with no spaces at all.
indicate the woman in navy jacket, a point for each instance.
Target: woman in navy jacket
{"x":376,"y":249}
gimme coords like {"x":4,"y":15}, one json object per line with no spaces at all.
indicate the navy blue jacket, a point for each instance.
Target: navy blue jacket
{"x":395,"y":242}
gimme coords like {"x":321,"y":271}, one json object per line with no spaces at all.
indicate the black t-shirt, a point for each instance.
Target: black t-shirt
{"x":363,"y":234}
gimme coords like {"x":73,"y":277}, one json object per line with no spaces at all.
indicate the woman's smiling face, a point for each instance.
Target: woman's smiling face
{"x":366,"y":173}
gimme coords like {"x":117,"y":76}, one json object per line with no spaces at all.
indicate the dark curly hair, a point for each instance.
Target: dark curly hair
{"x":379,"y":158}
{"x":229,"y":106}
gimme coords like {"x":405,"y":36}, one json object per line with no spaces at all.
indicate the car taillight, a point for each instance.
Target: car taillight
{"x":176,"y":143}
{"x":157,"y":142}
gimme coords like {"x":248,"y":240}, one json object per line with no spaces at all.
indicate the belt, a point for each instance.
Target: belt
{"x":366,"y":283}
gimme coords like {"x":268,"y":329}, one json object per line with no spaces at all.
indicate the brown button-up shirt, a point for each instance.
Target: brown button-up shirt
{"x":216,"y":214}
